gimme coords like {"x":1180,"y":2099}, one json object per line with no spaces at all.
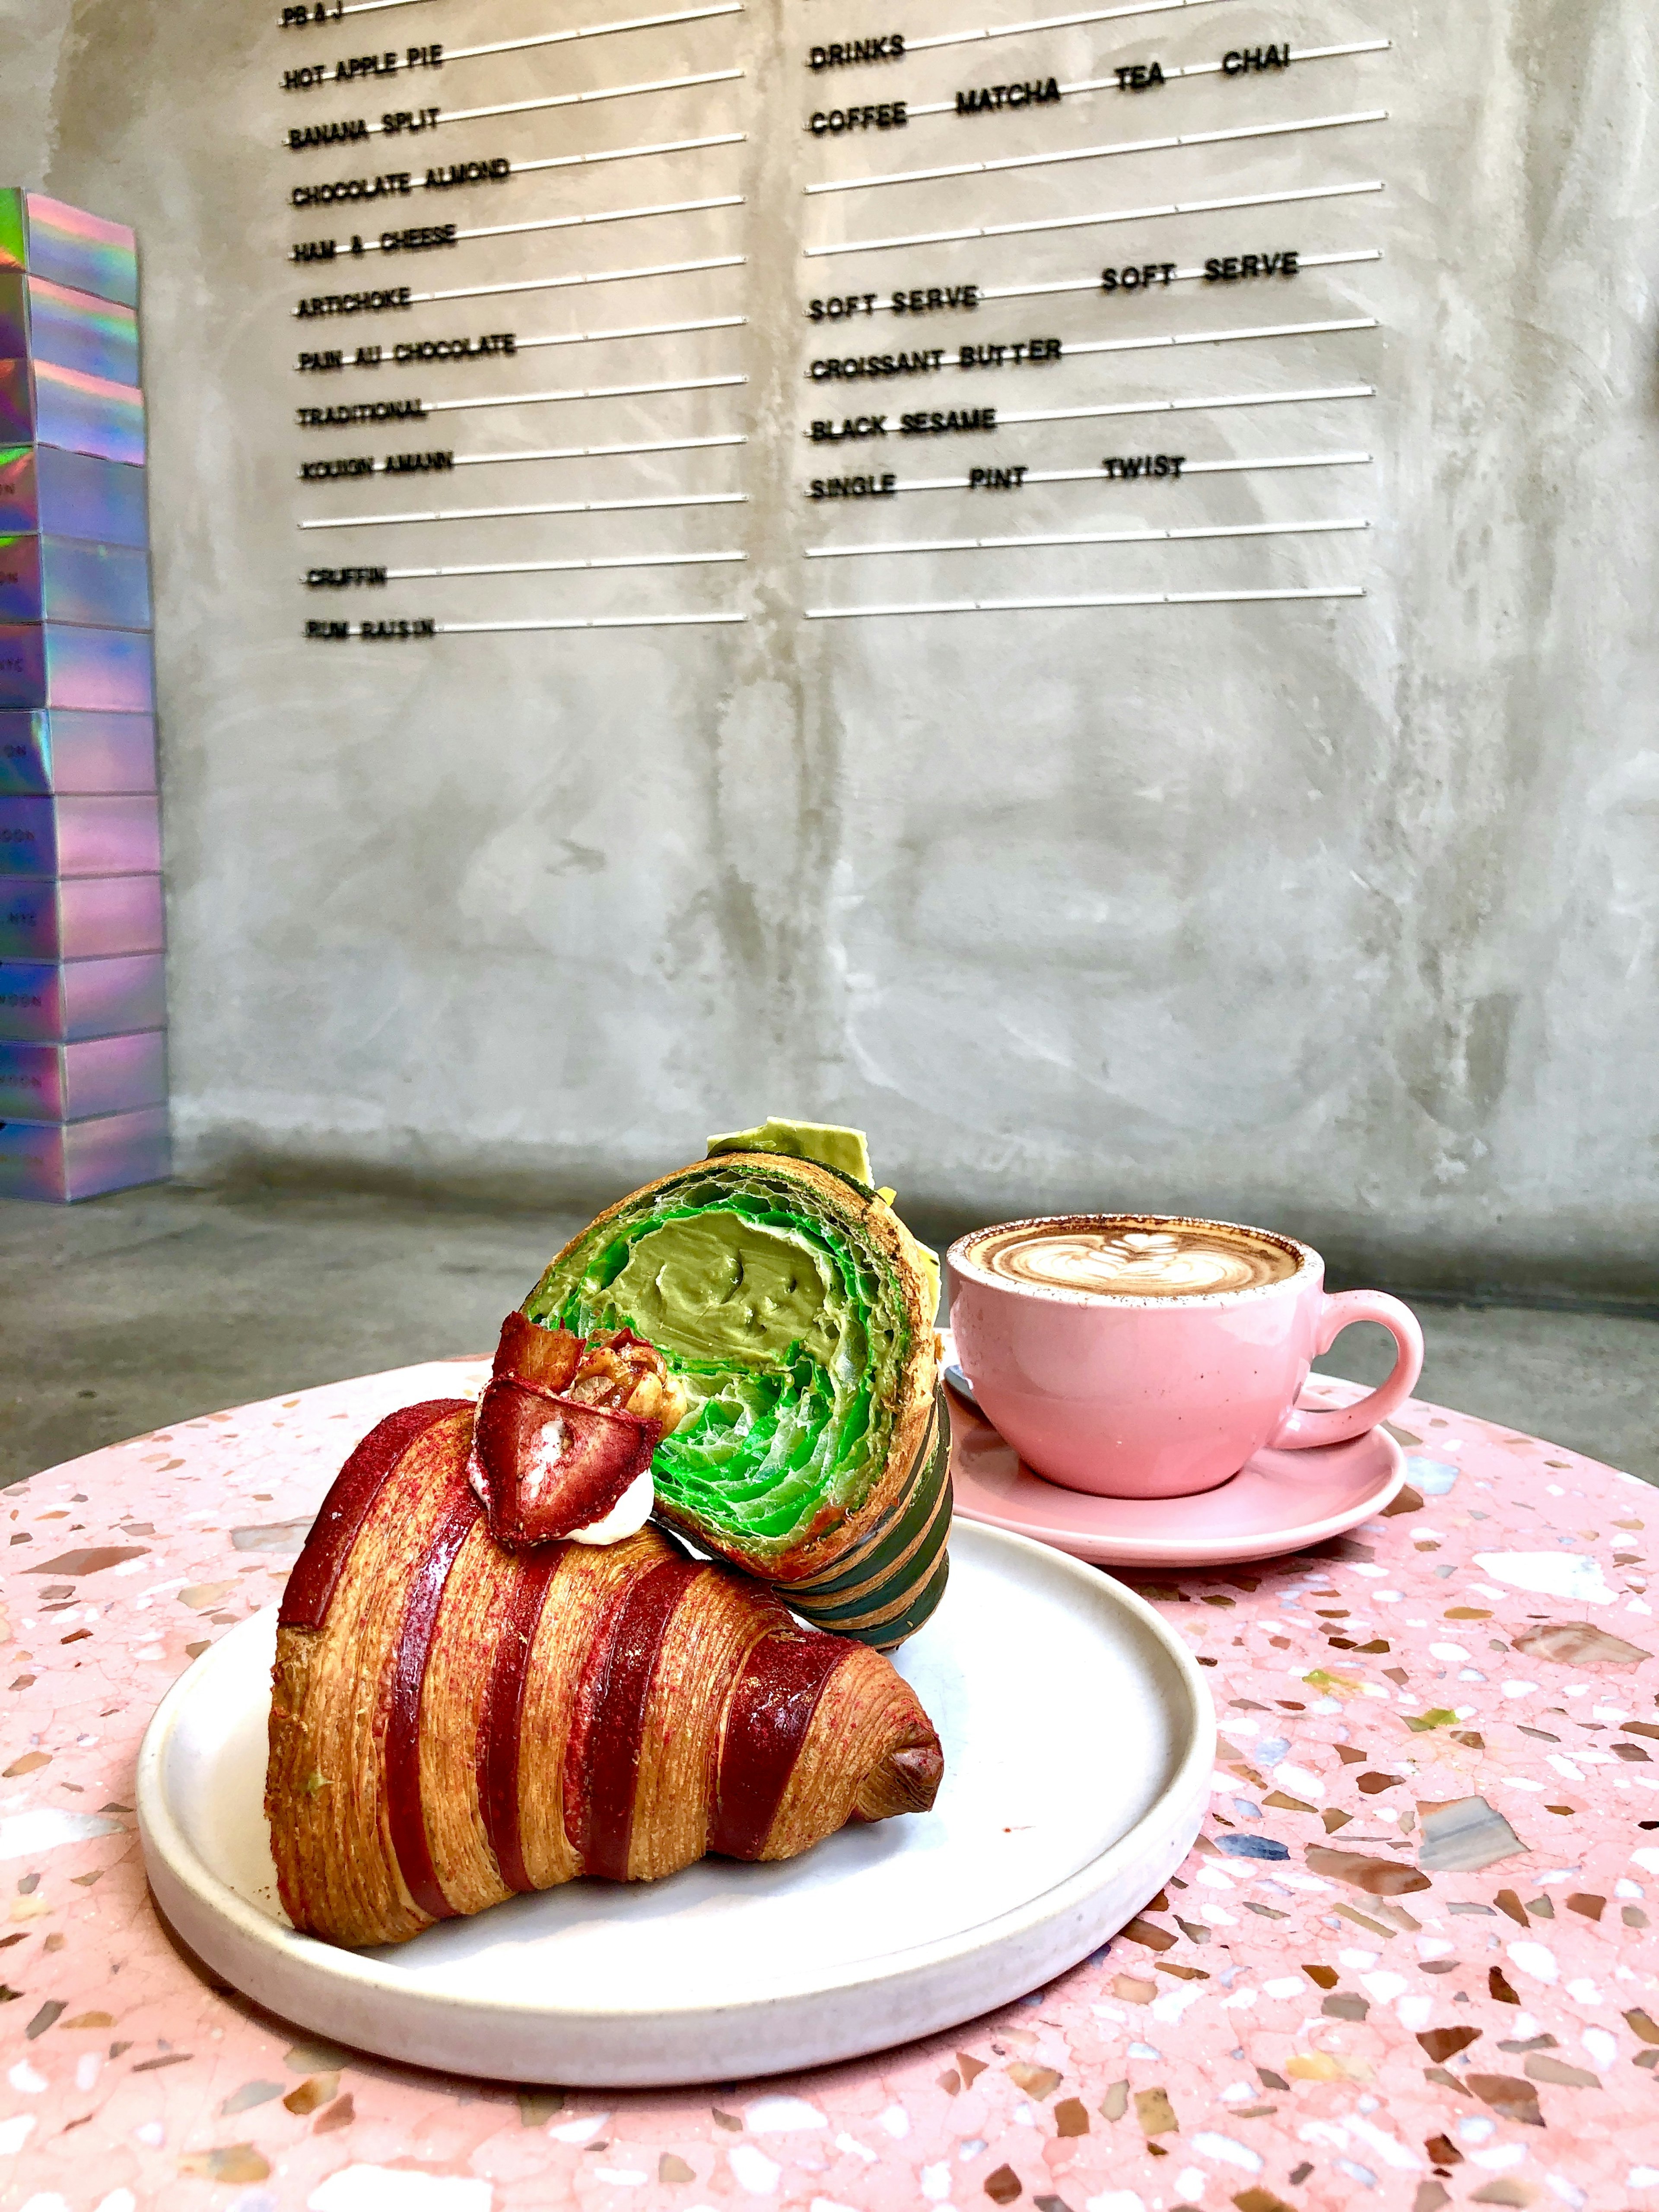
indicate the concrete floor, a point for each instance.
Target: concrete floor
{"x":131,"y":1312}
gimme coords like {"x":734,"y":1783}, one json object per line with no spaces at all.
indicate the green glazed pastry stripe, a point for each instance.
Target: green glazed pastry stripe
{"x":881,"y":1590}
{"x":921,"y":1611}
{"x":887,"y":1594}
{"x":892,"y":1633}
{"x":904,"y":1522}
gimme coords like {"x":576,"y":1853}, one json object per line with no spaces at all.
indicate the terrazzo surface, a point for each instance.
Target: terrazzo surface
{"x":1409,"y":1963}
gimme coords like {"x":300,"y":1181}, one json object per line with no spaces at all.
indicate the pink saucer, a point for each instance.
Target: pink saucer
{"x":1279,"y":1501}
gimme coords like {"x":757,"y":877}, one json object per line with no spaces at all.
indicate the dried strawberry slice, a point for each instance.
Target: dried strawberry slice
{"x":543,"y":1464}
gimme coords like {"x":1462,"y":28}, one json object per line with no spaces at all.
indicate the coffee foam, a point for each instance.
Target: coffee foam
{"x":1135,"y":1258}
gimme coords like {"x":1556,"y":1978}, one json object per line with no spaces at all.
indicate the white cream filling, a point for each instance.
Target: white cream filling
{"x":626,"y":1517}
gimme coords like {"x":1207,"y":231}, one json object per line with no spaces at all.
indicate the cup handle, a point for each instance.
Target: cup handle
{"x":1337,"y":1425}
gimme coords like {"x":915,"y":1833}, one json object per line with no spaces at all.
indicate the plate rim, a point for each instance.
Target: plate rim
{"x":1106,"y":1550}
{"x":367,"y":1974}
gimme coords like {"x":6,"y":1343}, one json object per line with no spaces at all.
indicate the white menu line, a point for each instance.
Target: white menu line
{"x":581,"y":221}
{"x":1099,"y":15}
{"x":553,"y":567}
{"x":362,"y":7}
{"x":1053,"y":23}
{"x":583,"y":392}
{"x":1092,"y":284}
{"x":582,"y":98}
{"x":1164,"y":341}
{"x":1110,"y":84}
{"x":639,"y":331}
{"x":591,"y":31}
{"x":1229,"y":468}
{"x":556,"y":507}
{"x":563,"y":283}
{"x":1070,"y":537}
{"x":1188,"y":469}
{"x":589,"y":621}
{"x":629,"y":153}
{"x":599,"y":452}
{"x":1089,"y":221}
{"x":1089,"y":599}
{"x":1183,"y":406}
{"x":1177,"y":276}
{"x":609,"y":214}
{"x":1101,"y":153}
{"x":1220,"y":338}
{"x":569,"y":99}
{"x":1193,"y":69}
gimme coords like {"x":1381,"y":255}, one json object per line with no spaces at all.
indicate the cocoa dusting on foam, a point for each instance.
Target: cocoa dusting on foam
{"x":1136,"y":1260}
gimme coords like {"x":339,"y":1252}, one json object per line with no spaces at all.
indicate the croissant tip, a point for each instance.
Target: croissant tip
{"x":904,"y":1782}
{"x":919,"y":1770}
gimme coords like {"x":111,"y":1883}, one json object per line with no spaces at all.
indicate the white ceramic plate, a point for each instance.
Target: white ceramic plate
{"x":1078,"y":1741}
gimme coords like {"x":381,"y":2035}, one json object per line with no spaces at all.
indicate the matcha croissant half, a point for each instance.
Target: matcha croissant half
{"x":792,"y":1312}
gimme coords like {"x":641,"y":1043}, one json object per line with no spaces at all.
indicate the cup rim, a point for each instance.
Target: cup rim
{"x":1308,"y":1261}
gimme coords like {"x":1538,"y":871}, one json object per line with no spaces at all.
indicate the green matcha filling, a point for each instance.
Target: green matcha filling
{"x":788,"y":1335}
{"x":845,"y":1152}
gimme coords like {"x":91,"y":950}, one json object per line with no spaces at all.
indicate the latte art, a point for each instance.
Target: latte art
{"x":1134,"y":1259}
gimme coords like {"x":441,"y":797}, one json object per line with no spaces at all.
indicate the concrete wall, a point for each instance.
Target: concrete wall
{"x":1339,"y":917}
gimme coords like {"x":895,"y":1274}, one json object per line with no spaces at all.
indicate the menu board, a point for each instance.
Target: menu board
{"x":947,"y":286}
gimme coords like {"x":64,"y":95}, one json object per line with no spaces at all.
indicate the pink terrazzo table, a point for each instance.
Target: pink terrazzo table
{"x":1408,"y":1964}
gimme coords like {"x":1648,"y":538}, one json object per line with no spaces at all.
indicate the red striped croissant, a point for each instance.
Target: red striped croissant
{"x":452,"y":1723}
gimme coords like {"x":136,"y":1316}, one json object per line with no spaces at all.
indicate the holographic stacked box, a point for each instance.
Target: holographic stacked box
{"x":83,"y":1005}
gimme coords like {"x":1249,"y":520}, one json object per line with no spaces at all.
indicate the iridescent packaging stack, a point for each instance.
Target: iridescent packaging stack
{"x":82,"y":1004}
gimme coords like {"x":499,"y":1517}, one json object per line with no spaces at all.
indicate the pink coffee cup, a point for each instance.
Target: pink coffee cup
{"x":1162,"y":1396}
